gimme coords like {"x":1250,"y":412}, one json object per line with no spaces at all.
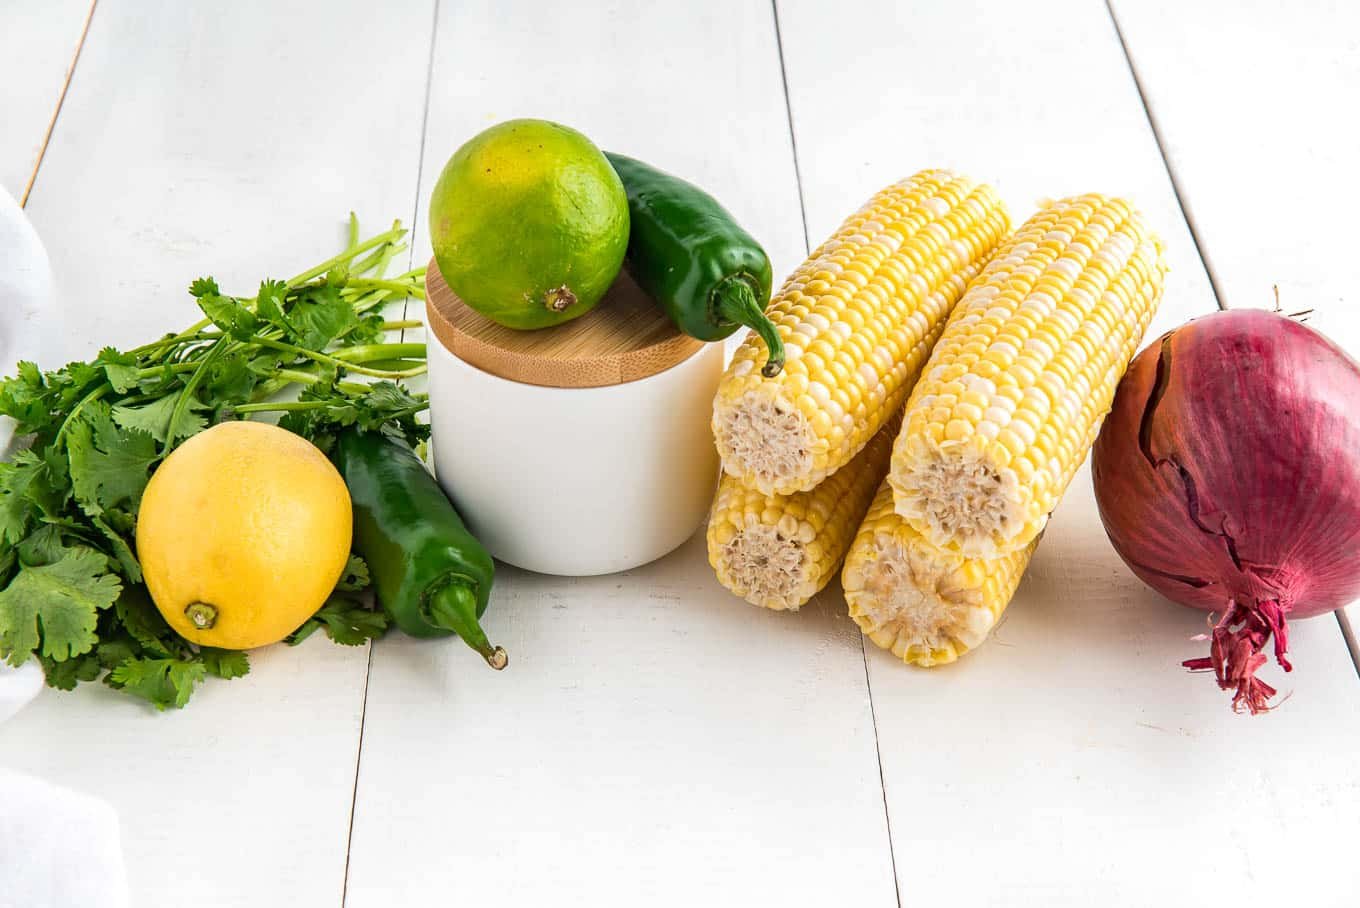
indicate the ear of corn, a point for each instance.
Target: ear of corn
{"x":858,"y":319}
{"x":778,"y":551}
{"x":926,"y":605}
{"x":1013,"y":395}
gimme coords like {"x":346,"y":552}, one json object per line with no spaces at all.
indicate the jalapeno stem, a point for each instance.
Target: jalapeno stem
{"x":734,"y":301}
{"x":454,"y":608}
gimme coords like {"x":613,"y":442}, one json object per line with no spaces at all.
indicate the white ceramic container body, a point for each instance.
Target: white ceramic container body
{"x":576,"y":481}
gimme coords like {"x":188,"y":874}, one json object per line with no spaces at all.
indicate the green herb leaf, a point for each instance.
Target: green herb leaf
{"x":355,"y":577}
{"x":204,"y":286}
{"x":154,"y":418}
{"x":318,"y":315}
{"x":119,"y":368}
{"x":225,"y":663}
{"x":228,"y":314}
{"x":109,"y":466}
{"x":65,"y":675}
{"x":162,"y":682}
{"x":347,"y":621}
{"x":53,"y":608}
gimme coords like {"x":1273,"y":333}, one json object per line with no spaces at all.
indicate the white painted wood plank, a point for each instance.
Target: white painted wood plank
{"x":1070,"y":761}
{"x":229,"y":140}
{"x":38,"y":43}
{"x":1257,"y":96}
{"x":654,"y":741}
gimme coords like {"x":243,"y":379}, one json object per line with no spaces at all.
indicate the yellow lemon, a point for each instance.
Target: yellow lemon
{"x":242,"y":534}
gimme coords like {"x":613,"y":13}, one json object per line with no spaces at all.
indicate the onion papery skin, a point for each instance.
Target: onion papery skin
{"x":1228,"y":478}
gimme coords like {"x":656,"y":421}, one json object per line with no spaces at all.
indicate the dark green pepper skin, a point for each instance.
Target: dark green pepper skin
{"x":692,"y":257}
{"x":431,"y":576}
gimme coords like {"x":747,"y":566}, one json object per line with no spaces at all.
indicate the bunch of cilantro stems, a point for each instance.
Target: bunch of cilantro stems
{"x":90,"y":435}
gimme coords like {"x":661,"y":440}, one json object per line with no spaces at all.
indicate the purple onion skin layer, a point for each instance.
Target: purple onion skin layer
{"x":1228,"y":479}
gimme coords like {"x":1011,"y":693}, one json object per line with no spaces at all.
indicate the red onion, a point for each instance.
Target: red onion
{"x":1228,"y":479}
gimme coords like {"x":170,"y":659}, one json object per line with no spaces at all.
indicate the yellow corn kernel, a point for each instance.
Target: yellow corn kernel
{"x":858,"y":319}
{"x":778,"y":551}
{"x":1011,"y":400}
{"x":929,"y":607}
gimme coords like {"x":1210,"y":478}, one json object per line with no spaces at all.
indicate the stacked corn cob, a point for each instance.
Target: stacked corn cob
{"x":858,"y":320}
{"x":1006,"y":410}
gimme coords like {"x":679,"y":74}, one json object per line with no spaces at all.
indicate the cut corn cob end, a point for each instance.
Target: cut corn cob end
{"x":1011,"y":400}
{"x":927,"y":606}
{"x":857,"y":319}
{"x":778,"y":551}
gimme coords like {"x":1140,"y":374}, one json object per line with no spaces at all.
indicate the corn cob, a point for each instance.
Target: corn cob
{"x":1011,"y":400}
{"x":778,"y":551}
{"x":929,"y":607}
{"x":857,"y":320}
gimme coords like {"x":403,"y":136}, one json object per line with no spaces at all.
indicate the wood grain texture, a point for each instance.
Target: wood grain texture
{"x":38,"y":44}
{"x":1070,"y":760}
{"x":1247,"y":96}
{"x":655,"y":740}
{"x":228,"y":140}
{"x":624,"y":338}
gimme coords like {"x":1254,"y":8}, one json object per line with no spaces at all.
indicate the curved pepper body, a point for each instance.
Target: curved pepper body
{"x":683,"y":247}
{"x":430,"y":574}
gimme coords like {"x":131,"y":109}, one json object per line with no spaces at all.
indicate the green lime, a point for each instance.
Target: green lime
{"x":529,"y":223}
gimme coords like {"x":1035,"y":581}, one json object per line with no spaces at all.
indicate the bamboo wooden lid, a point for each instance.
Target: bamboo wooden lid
{"x":625,"y":338}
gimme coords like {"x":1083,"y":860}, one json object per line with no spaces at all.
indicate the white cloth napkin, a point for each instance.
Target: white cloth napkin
{"x":58,"y":848}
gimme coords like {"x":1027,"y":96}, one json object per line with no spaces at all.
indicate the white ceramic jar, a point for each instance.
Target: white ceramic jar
{"x":574,"y":481}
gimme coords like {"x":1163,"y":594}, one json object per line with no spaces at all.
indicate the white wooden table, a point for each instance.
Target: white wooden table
{"x":658,"y":742}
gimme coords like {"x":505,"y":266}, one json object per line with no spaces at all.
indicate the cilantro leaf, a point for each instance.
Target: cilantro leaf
{"x":346,"y":621}
{"x":162,"y":682}
{"x":154,"y":418}
{"x":355,"y":577}
{"x":65,"y":675}
{"x":109,"y":466}
{"x":54,"y":608}
{"x":16,"y":510}
{"x":228,"y":314}
{"x":122,"y":552}
{"x":204,"y":286}
{"x":119,"y":368}
{"x":269,"y":303}
{"x":318,"y":315}
{"x":225,"y":663}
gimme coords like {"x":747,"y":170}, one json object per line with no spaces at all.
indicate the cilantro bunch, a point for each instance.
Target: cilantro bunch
{"x":91,"y":433}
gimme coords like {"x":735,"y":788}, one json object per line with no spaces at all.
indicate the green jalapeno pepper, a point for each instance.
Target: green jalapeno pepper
{"x":429,"y":573}
{"x":693,"y":258}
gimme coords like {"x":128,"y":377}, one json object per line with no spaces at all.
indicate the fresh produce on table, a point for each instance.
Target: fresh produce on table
{"x":1228,"y":479}
{"x":529,"y":224}
{"x":71,"y":584}
{"x":430,"y":575}
{"x":778,"y":551}
{"x":242,"y":534}
{"x":692,"y":257}
{"x":858,"y":319}
{"x":1004,"y":414}
{"x":926,"y":605}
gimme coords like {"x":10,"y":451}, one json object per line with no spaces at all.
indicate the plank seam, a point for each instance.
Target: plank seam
{"x":411,"y":253}
{"x":420,"y":160}
{"x":1186,"y":212}
{"x":1348,"y":634}
{"x":56,"y":112}
{"x":788,"y":111}
{"x":358,"y":763}
{"x":882,"y":782}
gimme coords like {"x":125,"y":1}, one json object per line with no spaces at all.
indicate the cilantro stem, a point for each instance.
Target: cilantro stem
{"x":368,"y":283}
{"x":75,"y":411}
{"x":328,"y":359}
{"x":300,"y":406}
{"x":403,"y":324}
{"x":187,"y":394}
{"x":353,"y":231}
{"x":363,"y":353}
{"x":346,"y":256}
